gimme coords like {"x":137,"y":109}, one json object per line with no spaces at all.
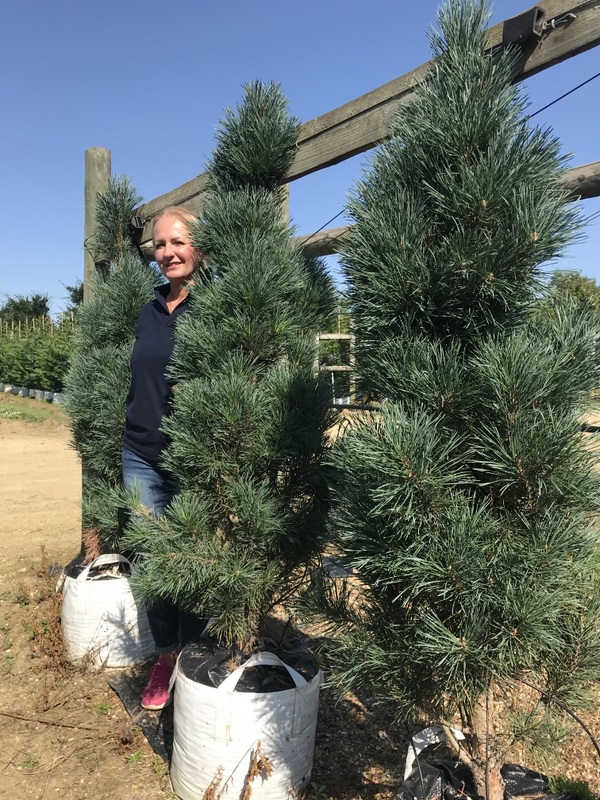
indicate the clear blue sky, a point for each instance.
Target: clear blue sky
{"x":150,"y":80}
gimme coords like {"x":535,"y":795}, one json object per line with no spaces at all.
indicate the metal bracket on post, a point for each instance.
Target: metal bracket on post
{"x":136,"y":223}
{"x":524,"y":27}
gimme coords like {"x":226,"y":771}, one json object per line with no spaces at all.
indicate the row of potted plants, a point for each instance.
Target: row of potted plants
{"x":35,"y":394}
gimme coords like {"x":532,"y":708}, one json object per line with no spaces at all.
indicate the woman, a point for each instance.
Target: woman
{"x":148,"y":401}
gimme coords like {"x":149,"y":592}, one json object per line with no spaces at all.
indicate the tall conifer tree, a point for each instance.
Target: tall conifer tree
{"x":249,"y":421}
{"x":98,"y":379}
{"x":465,"y":504}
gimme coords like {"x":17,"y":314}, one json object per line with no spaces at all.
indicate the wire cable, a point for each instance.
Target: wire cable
{"x":339,"y":214}
{"x":530,"y":116}
{"x":566,"y":94}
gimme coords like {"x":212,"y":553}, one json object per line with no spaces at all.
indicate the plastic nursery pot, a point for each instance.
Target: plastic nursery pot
{"x":102,"y":624}
{"x":231,"y":734}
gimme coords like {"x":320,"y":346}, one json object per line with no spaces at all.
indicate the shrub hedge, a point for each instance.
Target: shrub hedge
{"x":38,"y":358}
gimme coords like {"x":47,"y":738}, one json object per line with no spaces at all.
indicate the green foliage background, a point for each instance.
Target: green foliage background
{"x":39,"y":358}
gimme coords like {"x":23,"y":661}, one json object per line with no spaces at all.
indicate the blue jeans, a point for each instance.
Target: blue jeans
{"x":155,"y":489}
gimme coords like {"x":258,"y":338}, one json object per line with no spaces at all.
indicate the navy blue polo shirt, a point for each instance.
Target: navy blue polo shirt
{"x":151,"y":392}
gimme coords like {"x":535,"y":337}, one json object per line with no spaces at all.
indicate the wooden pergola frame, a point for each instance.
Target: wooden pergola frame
{"x":546,"y":34}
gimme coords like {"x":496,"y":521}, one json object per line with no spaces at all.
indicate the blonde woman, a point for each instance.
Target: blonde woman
{"x":148,"y":401}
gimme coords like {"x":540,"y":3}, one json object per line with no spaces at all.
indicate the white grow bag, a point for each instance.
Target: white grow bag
{"x":216,"y":733}
{"x":100,"y":619}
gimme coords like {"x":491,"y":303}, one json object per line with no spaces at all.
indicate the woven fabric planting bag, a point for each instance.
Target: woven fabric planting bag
{"x":224,"y":739}
{"x":102,"y":624}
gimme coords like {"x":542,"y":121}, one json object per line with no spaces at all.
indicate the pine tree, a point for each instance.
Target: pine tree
{"x":23,"y":309}
{"x":465,"y":504}
{"x":98,"y":379}
{"x":249,"y":419}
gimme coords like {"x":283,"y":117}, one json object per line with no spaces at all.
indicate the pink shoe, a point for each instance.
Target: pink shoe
{"x":156,"y":694}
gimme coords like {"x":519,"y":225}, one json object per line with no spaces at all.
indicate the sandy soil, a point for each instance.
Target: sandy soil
{"x":64,"y":733}
{"x":40,"y":493}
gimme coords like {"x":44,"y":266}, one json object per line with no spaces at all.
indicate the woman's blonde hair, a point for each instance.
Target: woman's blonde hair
{"x":179,"y":212}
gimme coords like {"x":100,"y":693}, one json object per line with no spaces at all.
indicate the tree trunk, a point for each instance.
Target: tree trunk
{"x":495,"y":785}
{"x":484,"y":749}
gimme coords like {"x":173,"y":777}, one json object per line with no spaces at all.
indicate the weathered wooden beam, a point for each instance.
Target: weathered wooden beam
{"x":583,"y":181}
{"x":323,"y":243}
{"x":358,"y":125}
{"x":331,"y":337}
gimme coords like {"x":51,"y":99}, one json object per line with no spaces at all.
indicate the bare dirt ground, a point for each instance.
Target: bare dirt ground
{"x":65,"y":733}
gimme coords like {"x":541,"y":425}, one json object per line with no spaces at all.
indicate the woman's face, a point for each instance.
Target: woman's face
{"x":173,"y":250}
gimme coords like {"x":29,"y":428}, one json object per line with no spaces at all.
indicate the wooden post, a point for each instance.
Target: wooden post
{"x":352,"y":364}
{"x":285,"y":202}
{"x":97,"y":175}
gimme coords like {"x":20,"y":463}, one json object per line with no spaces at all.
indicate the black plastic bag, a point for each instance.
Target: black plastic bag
{"x":519,"y":781}
{"x":206,"y":661}
{"x":433,"y":779}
